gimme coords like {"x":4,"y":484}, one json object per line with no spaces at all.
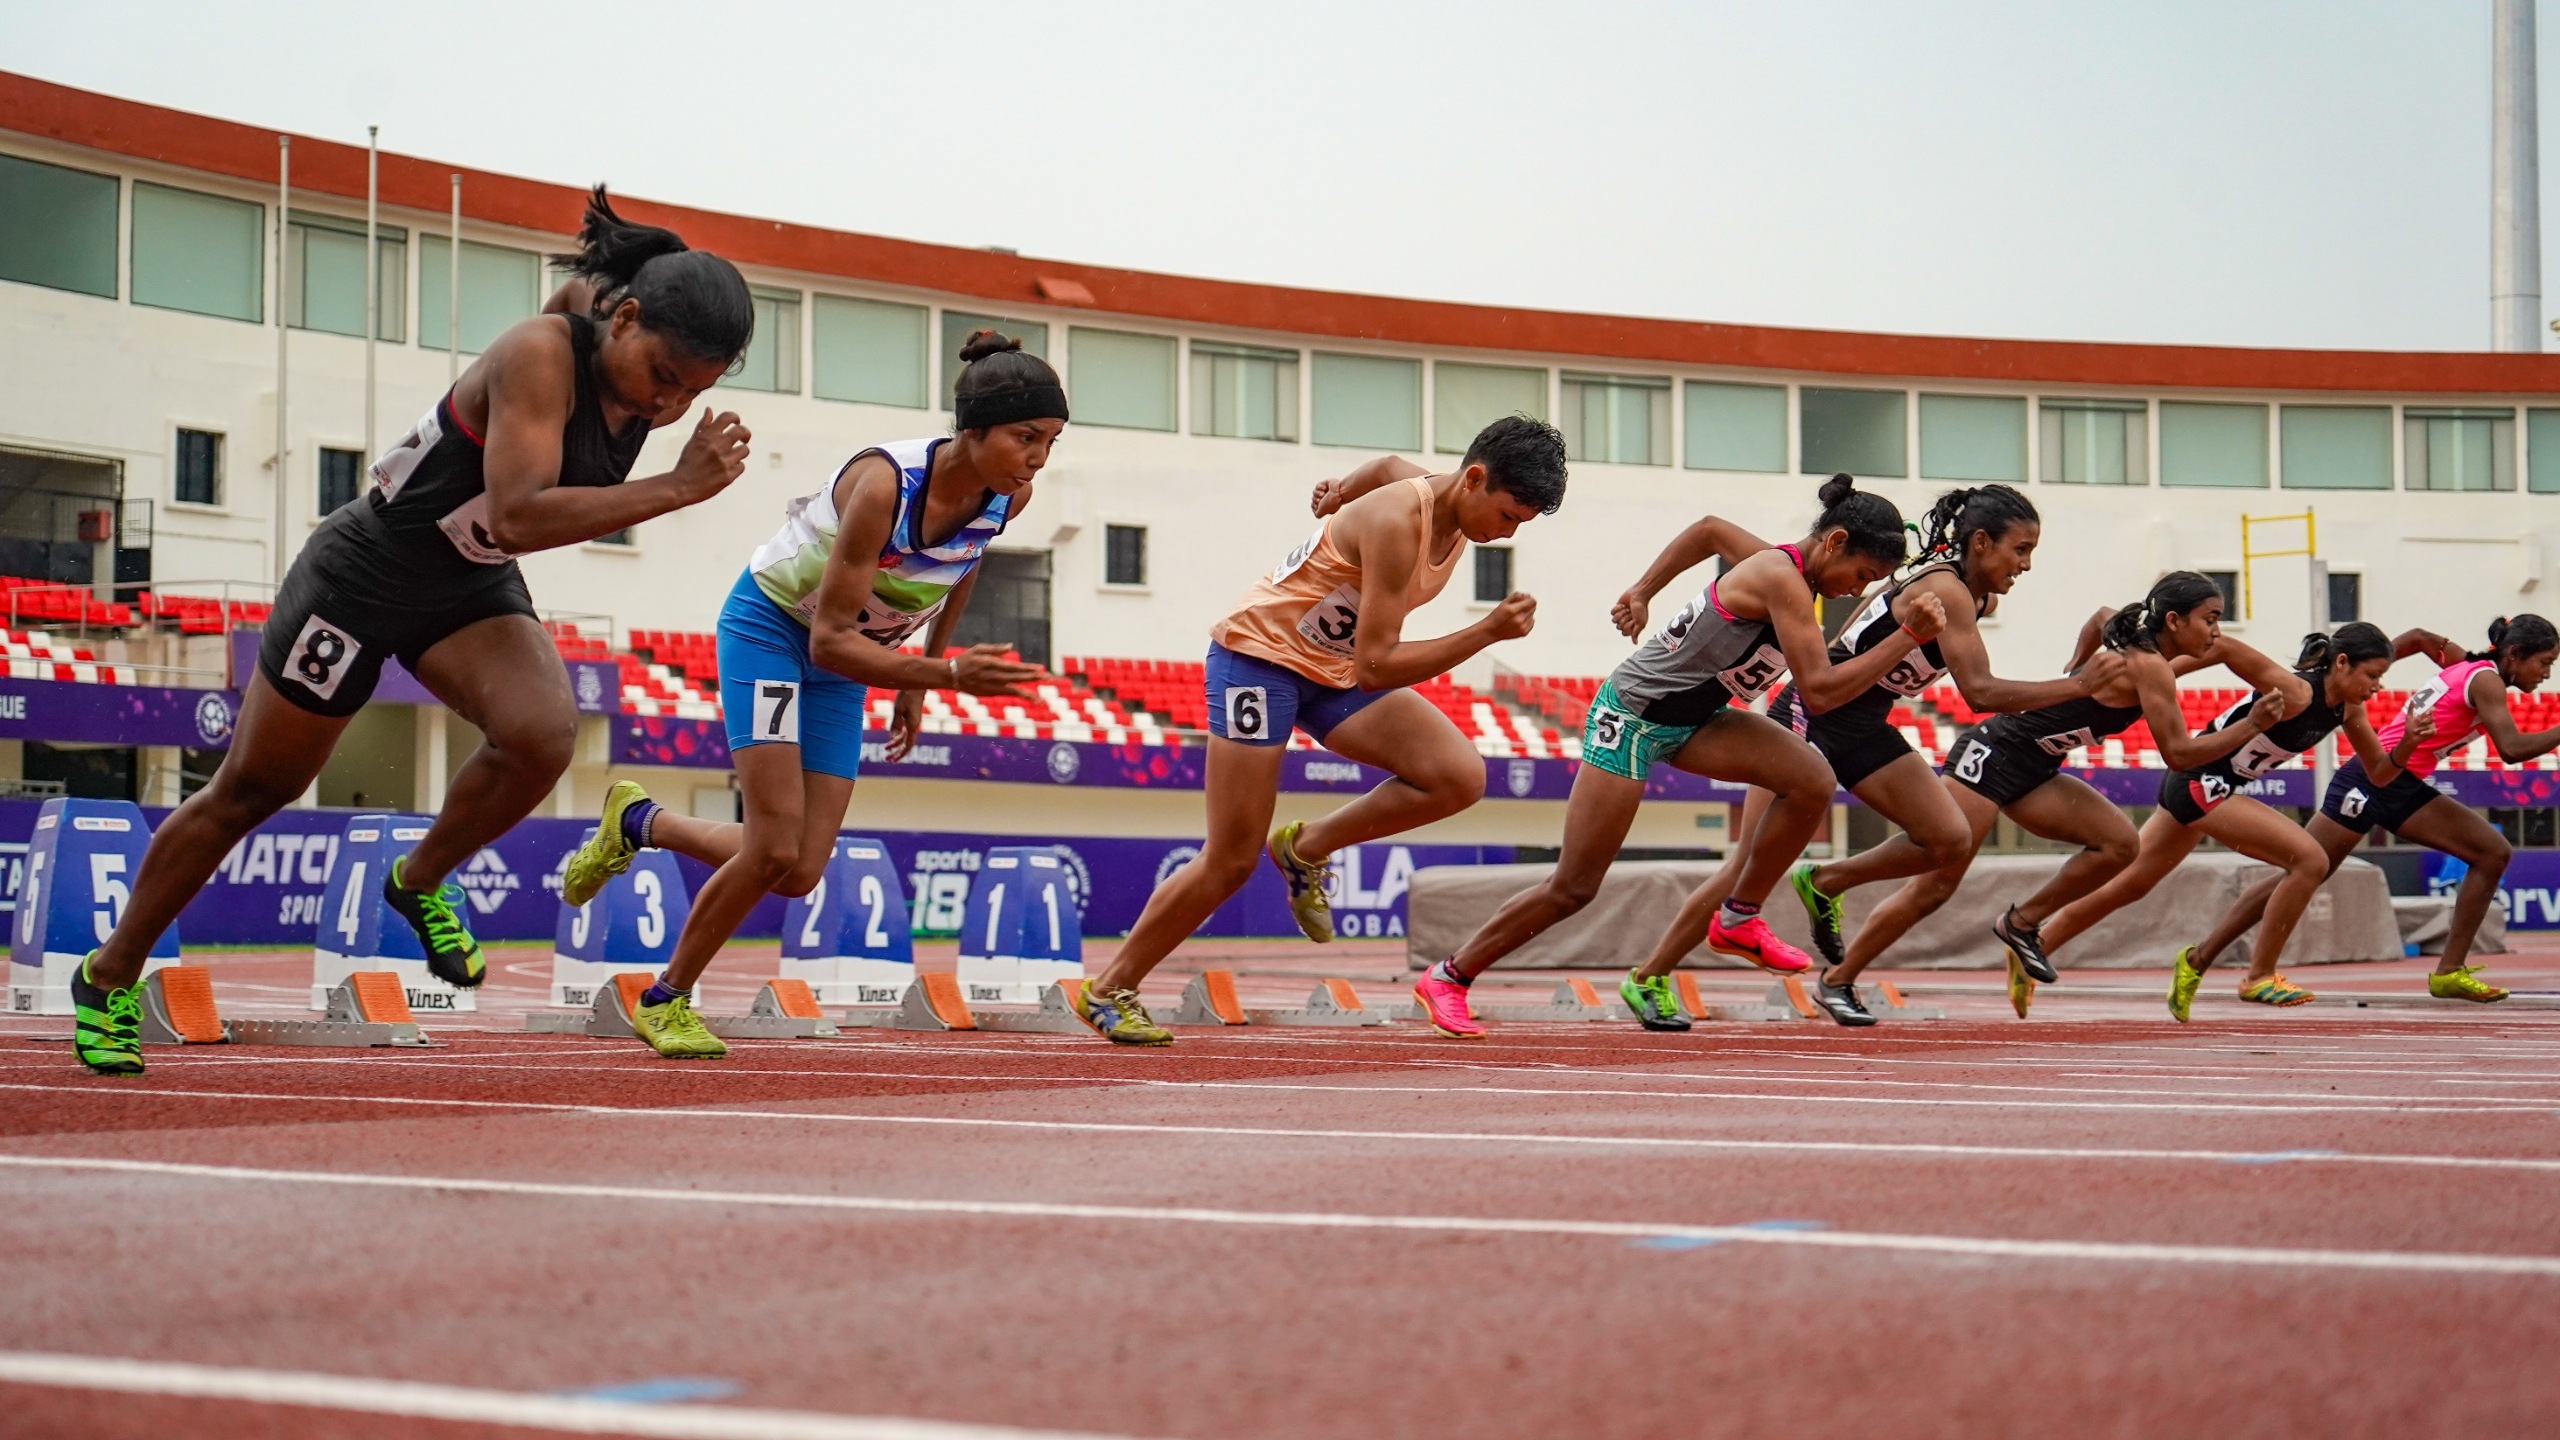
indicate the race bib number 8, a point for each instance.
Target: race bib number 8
{"x":320,"y":657}
{"x":1248,"y":713}
{"x":777,"y":712}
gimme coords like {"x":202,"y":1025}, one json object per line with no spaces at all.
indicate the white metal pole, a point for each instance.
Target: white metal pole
{"x":453,"y":291}
{"x":284,"y":200}
{"x":372,"y":269}
{"x":2515,"y":183}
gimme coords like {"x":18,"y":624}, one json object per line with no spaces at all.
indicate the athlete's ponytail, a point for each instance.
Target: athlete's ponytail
{"x":1873,"y":524}
{"x":691,"y":297}
{"x":2137,"y":626}
{"x":2523,"y":635}
{"x":2355,"y":642}
{"x":1947,"y":531}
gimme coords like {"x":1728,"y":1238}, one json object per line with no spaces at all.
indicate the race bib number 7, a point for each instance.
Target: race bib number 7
{"x":777,"y":712}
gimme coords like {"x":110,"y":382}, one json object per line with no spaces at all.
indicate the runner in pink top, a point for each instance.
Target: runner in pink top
{"x":2468,"y":698}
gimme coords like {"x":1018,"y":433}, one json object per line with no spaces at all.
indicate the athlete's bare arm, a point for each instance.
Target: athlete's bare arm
{"x":1969,"y":660}
{"x":1769,"y":583}
{"x":868,"y":492}
{"x":1332,"y":495}
{"x":576,"y":296}
{"x":2430,"y":644}
{"x":2181,"y":749}
{"x":1708,"y":535}
{"x":2383,"y":766}
{"x":523,"y":390}
{"x":1377,"y":534}
{"x":2487,"y":693}
{"x":2261,"y":671}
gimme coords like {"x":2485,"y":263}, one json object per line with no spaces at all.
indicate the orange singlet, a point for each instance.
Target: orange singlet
{"x":1303,"y":614}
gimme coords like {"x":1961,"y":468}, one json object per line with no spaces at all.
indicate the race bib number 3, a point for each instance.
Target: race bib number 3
{"x":1969,"y":762}
{"x":777,"y":712}
{"x":1330,"y":623}
{"x":320,"y":657}
{"x":1248,"y":712}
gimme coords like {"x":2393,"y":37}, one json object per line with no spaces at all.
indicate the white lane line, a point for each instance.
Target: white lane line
{"x":1459,"y":1137}
{"x":2437,"y":1262}
{"x":525,"y":1410}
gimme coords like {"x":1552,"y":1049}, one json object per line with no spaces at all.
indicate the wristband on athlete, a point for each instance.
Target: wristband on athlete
{"x":954,"y":662}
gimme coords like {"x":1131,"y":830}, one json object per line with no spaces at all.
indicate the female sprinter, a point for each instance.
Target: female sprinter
{"x":528,"y":451}
{"x":887,"y":547}
{"x":2469,"y":698}
{"x":1680,"y":697}
{"x":2325,"y":691}
{"x":1319,"y":646}
{"x":1975,"y":544}
{"x":2012,"y":765}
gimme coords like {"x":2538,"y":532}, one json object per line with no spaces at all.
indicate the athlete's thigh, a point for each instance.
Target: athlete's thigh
{"x":1405,"y":735}
{"x":1241,"y":787}
{"x":2248,"y":826}
{"x":277,"y":745}
{"x":1753,"y":749}
{"x":502,"y":674}
{"x":2456,"y":829}
{"x":823,"y":798}
{"x":1597,"y":816}
{"x":2339,"y":841}
{"x":1909,"y":793}
{"x":2067,"y":807}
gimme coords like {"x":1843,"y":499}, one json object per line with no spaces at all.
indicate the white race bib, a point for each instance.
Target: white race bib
{"x":1331,"y":622}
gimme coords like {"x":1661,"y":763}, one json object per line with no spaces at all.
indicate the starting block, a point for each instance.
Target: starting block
{"x":848,"y":937}
{"x":80,"y":868}
{"x":1685,"y":986}
{"x":783,"y":1010}
{"x":629,"y":928}
{"x":1897,"y":1008}
{"x":1021,"y":933}
{"x":1573,"y":1000}
{"x":367,"y":1010}
{"x":359,"y":934}
{"x":1332,"y":1004}
{"x":1210,"y":999}
{"x":934,"y":1002}
{"x":1056,"y":1015}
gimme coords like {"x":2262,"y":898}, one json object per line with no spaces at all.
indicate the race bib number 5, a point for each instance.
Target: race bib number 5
{"x":1608,"y":727}
{"x":320,"y":657}
{"x":1753,"y":675}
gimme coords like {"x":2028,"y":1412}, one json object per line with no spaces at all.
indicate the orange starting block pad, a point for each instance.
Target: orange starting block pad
{"x":1884,"y":1000}
{"x":938,"y":1003}
{"x":783,"y":1010}
{"x":1210,"y":999}
{"x":1333,"y":1004}
{"x":1573,"y":1000}
{"x":368,"y":1009}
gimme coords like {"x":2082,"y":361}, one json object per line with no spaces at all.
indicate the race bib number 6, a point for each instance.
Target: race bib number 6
{"x":1248,"y":712}
{"x":320,"y":657}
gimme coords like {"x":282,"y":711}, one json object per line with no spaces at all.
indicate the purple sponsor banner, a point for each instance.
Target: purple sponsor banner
{"x":115,"y":714}
{"x":2529,"y":891}
{"x":596,"y":684}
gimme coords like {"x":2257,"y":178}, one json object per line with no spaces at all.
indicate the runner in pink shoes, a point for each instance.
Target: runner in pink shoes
{"x":1683,"y":697}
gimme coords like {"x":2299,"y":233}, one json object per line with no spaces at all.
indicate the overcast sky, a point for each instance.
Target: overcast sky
{"x":2233,"y":172}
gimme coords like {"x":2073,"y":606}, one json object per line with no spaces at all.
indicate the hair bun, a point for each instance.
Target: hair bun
{"x":1836,"y":489}
{"x":2497,"y":631}
{"x":984,"y":343}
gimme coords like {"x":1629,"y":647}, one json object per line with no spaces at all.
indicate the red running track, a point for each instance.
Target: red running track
{"x":2330,"y":1220}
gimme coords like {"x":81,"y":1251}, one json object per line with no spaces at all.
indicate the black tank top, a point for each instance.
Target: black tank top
{"x":1912,"y":674}
{"x":2057,"y":730}
{"x":432,"y":500}
{"x":2293,"y":735}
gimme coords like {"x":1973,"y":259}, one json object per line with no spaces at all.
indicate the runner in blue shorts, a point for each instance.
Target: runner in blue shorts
{"x":887,"y":548}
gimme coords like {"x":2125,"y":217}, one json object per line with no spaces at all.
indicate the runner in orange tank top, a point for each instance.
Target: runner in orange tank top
{"x":1318,"y":645}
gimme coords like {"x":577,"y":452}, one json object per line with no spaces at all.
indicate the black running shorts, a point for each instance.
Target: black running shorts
{"x":347,"y":605}
{"x":1855,"y":748}
{"x":2359,"y":804}
{"x":1998,"y":768}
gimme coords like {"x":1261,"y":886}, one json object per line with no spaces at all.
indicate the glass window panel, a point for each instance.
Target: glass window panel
{"x":200,"y":253}
{"x":2459,"y":449}
{"x":1467,"y":398}
{"x":1857,"y":431}
{"x":324,"y":276}
{"x":1735,"y":427}
{"x":869,"y":351}
{"x":1244,"y":391}
{"x":2542,"y":444}
{"x":1124,"y":554}
{"x":2346,"y":597}
{"x":499,"y":288}
{"x":2094,"y":442}
{"x":2337,"y":447}
{"x":198,"y":478}
{"x":958,"y":326}
{"x":1369,"y":401}
{"x":1980,"y":438}
{"x":341,"y":476}
{"x":57,"y":227}
{"x":772,"y":357}
{"x":1117,"y":378}
{"x":2213,"y":445}
{"x":1493,"y":574}
{"x":1617,"y":419}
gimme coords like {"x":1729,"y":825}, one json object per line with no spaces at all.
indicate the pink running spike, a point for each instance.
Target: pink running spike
{"x":1754,"y":941}
{"x":1444,"y":1004}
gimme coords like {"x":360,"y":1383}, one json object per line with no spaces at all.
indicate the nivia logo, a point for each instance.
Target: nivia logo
{"x":1523,"y":777}
{"x":488,"y":882}
{"x":1064,"y":762}
{"x":213,"y":717}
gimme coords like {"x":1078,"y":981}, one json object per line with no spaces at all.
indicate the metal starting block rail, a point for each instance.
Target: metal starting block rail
{"x":783,"y":1010}
{"x":1333,"y":1004}
{"x":366,"y":1010}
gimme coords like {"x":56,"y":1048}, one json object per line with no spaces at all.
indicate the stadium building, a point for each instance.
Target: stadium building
{"x":148,"y":499}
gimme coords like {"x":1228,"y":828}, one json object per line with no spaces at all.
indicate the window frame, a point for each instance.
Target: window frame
{"x":2137,"y":413}
{"x":220,"y":503}
{"x":1689,"y":428}
{"x":1172,"y":348}
{"x":2028,"y":435}
{"x":2417,"y":423}
{"x":1421,"y":401}
{"x":1197,"y":350}
{"x":133,"y":245}
{"x":118,"y":278}
{"x":1444,"y":445}
{"x":1659,"y":391}
{"x":320,"y":451}
{"x":1902,"y":432}
{"x":1142,"y":585}
{"x":391,"y":314}
{"x":1475,"y":574}
{"x":784,"y":358}
{"x":820,"y":300}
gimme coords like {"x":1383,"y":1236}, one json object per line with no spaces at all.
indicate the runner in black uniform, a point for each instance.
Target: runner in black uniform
{"x":1975,"y":543}
{"x":528,"y":452}
{"x":2013,"y":765}
{"x":2326,"y":690}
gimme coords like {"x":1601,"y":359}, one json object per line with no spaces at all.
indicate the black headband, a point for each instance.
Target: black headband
{"x":1009,"y":403}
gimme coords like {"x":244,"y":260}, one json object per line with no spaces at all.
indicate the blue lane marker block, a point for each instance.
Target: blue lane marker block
{"x":665,"y":1390}
{"x":2279,"y":1157}
{"x":1701,"y":1242}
